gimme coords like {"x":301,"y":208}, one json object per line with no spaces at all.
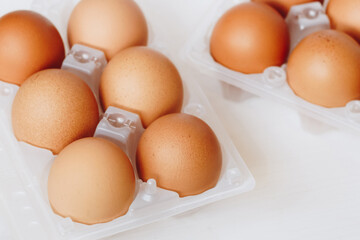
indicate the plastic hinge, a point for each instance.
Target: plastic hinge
{"x":305,"y":19}
{"x":88,"y":63}
{"x":123,"y":128}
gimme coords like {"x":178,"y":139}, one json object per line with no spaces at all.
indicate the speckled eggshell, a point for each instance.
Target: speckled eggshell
{"x":54,"y":108}
{"x":107,"y":25}
{"x":182,"y":153}
{"x":250,"y":37}
{"x":28,"y":43}
{"x":91,"y":181}
{"x":345,"y":16}
{"x":324,"y":69}
{"x":143,"y":81}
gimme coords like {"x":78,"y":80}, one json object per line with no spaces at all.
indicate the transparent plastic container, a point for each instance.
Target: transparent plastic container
{"x":24,"y":168}
{"x":302,"y":20}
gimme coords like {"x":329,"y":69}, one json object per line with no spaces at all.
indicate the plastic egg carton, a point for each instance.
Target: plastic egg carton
{"x":302,"y":20}
{"x":24,"y":168}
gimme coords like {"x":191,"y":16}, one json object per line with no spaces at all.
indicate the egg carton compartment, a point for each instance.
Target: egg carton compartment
{"x":301,"y":20}
{"x":24,"y":168}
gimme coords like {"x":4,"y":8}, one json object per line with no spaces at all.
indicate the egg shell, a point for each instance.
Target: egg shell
{"x":107,"y":25}
{"x":324,"y":69}
{"x":91,"y":181}
{"x":250,"y":37}
{"x":54,"y":108}
{"x":283,"y":6}
{"x":142,"y":81}
{"x":182,"y":153}
{"x":28,"y":43}
{"x":345,"y":16}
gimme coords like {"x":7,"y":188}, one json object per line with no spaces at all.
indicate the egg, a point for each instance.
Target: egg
{"x":324,"y":69}
{"x":91,"y":181}
{"x":283,"y":6}
{"x":142,"y":81}
{"x":52,"y":109}
{"x":28,"y":43}
{"x":182,"y":153}
{"x":250,"y":37}
{"x":344,"y":16}
{"x":107,"y":25}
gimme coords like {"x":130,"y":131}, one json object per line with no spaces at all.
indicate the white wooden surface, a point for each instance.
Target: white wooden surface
{"x":308,"y":174}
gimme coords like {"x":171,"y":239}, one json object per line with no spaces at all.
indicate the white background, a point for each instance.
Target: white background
{"x":307,"y":173}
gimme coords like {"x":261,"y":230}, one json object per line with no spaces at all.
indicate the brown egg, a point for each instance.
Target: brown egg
{"x":28,"y":43}
{"x":345,"y":16}
{"x":324,"y":69}
{"x":91,"y":181}
{"x":54,"y":108}
{"x":107,"y":25}
{"x":283,"y":6}
{"x":142,"y":81}
{"x":250,"y":48}
{"x":181,"y":153}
